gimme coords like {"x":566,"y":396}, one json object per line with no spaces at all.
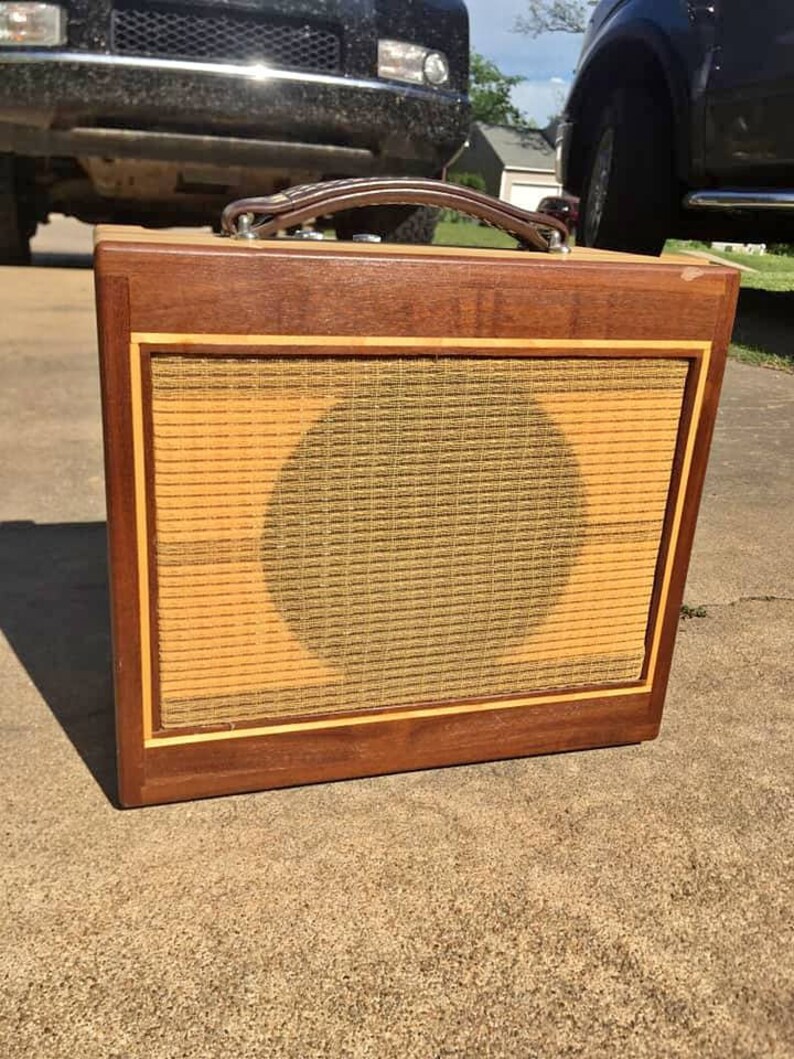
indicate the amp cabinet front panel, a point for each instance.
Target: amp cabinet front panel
{"x":339,"y":555}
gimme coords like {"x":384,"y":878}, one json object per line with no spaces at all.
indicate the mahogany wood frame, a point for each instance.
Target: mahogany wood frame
{"x":461,"y":300}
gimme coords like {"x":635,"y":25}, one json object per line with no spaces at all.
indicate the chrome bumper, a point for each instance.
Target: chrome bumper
{"x":66,"y":102}
{"x":741,"y":199}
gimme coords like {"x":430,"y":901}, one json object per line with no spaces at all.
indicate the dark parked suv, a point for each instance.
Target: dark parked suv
{"x":160,"y":111}
{"x":679,"y":122}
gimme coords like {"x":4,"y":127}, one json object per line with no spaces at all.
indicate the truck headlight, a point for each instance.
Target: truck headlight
{"x":29,"y":25}
{"x":400,"y":61}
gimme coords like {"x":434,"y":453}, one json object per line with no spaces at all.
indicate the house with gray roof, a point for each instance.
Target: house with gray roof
{"x":516,"y":164}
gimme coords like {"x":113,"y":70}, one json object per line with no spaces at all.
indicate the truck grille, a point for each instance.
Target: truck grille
{"x":223,"y":38}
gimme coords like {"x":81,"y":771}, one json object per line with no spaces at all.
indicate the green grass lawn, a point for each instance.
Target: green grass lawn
{"x":773,"y":272}
{"x":764,"y":330}
{"x":468,"y":233}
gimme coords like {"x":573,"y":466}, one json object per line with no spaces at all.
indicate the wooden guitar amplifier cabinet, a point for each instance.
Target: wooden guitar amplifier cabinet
{"x":377,"y":507}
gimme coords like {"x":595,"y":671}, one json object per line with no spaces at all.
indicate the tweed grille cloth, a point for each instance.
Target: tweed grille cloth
{"x":338,"y":533}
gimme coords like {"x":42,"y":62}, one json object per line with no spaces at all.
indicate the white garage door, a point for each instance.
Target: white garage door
{"x":527,"y":196}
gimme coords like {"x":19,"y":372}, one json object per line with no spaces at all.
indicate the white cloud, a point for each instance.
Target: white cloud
{"x":541,"y":100}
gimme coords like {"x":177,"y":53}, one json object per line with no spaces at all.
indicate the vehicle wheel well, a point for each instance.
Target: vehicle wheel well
{"x":637,"y":65}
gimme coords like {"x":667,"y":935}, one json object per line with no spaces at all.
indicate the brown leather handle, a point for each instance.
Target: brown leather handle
{"x":302,"y":203}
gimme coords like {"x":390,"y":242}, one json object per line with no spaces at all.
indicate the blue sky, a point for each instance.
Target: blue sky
{"x":547,"y":63}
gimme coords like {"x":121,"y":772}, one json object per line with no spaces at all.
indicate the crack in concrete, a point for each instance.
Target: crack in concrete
{"x":746,"y":599}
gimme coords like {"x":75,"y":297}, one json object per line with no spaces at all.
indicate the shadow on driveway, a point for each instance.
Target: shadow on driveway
{"x":765,"y":320}
{"x":54,"y":613}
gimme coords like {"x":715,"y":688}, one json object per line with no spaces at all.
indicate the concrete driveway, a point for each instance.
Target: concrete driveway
{"x":617,"y":903}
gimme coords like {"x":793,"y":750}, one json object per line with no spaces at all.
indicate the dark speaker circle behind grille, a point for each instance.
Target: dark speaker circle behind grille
{"x":436,"y":516}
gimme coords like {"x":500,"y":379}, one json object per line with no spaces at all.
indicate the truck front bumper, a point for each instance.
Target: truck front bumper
{"x":74,"y":104}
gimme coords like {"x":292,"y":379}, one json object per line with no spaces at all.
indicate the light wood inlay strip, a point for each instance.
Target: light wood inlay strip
{"x":679,"y":507}
{"x":142,"y":536}
{"x":549,"y":346}
{"x":542,"y":347}
{"x":431,"y":711}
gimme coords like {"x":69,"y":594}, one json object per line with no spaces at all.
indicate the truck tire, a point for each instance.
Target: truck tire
{"x":394,"y":224}
{"x":627,"y":200}
{"x":15,"y":232}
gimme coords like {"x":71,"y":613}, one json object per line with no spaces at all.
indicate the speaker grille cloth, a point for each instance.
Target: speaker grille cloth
{"x":339,"y":533}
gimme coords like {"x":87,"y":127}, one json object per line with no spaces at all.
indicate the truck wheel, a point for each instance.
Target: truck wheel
{"x":394,"y":224}
{"x":627,"y":200}
{"x":15,"y":233}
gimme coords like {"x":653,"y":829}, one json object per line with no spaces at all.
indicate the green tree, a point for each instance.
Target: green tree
{"x":489,"y":91}
{"x":475,"y":181}
{"x":554,"y":16}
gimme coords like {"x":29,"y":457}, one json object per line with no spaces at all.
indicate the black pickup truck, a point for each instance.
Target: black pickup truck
{"x":160,"y":111}
{"x":679,"y":122}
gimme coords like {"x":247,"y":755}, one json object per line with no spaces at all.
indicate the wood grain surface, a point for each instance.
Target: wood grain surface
{"x":300,"y":303}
